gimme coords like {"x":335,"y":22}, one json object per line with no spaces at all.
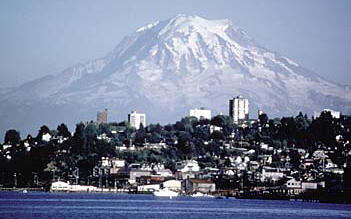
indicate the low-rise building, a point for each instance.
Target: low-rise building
{"x":187,"y":169}
{"x":269,"y":173}
{"x":309,"y":186}
{"x":293,"y":187}
{"x":135,"y":173}
{"x":174,"y":185}
{"x":200,"y":113}
{"x":198,"y":185}
{"x":60,"y":186}
{"x":188,"y":166}
{"x":148,"y":188}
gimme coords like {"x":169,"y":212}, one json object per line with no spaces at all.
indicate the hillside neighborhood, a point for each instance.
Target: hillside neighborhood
{"x":223,"y":155}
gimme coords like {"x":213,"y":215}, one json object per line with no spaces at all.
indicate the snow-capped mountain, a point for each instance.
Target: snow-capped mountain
{"x":165,"y":69}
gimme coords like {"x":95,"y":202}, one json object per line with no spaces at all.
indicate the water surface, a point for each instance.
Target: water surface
{"x":90,"y":205}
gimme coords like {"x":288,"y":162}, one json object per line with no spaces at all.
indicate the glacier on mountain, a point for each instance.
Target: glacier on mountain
{"x":168,"y":67}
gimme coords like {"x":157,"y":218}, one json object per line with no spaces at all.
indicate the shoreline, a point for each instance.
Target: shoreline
{"x":324,"y":197}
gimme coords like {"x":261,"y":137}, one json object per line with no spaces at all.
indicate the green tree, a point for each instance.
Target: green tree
{"x":263,"y":119}
{"x":104,"y":128}
{"x":183,"y":144}
{"x":12,"y":137}
{"x":79,"y":139}
{"x":140,"y":135}
{"x":42,"y":131}
{"x":90,"y":134}
{"x":225,"y":122}
{"x":63,"y":131}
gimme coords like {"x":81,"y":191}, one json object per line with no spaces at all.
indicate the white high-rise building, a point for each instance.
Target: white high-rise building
{"x":239,"y":109}
{"x":135,"y":119}
{"x":200,"y":113}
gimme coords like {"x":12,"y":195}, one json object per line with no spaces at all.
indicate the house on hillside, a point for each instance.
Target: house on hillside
{"x":187,"y":169}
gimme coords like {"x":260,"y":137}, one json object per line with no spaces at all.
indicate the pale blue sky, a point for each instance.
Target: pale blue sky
{"x":44,"y":37}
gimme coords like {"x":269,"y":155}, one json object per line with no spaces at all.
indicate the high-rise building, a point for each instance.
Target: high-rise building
{"x":135,"y":119}
{"x":239,"y":109}
{"x":102,"y":117}
{"x":200,"y":113}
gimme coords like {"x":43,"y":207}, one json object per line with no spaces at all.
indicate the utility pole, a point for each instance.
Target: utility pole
{"x":15,"y":179}
{"x":77,"y":175}
{"x":35,"y":179}
{"x":323,"y":163}
{"x":100,"y":177}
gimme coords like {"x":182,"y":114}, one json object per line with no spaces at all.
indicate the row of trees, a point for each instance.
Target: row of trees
{"x":34,"y":157}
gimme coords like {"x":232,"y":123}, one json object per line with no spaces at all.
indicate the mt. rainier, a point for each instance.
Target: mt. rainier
{"x":166,"y":68}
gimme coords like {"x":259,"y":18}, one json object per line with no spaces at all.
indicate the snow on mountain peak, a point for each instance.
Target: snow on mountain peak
{"x":148,"y":26}
{"x":184,"y":40}
{"x":167,"y":67}
{"x":185,"y":24}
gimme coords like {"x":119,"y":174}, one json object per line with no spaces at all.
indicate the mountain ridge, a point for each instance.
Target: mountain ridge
{"x":167,"y":67}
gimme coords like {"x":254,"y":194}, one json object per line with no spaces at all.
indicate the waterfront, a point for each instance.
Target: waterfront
{"x":90,"y":205}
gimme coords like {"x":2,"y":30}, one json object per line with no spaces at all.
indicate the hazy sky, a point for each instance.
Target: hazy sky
{"x":44,"y":37}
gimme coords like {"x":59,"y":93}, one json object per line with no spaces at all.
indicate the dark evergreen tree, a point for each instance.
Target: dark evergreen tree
{"x":263,"y":119}
{"x":63,"y":131}
{"x":42,"y":131}
{"x":12,"y":137}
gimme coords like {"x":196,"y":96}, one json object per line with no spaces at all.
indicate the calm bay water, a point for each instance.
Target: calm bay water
{"x":89,"y":205}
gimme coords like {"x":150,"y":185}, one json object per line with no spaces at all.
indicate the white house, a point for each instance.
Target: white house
{"x":46,"y":137}
{"x":200,"y":113}
{"x":6,"y":146}
{"x":215,"y":128}
{"x":188,"y":166}
{"x":293,"y":186}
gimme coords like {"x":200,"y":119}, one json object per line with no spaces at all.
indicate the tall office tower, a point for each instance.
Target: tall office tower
{"x":239,"y":109}
{"x":200,"y":113}
{"x":102,"y":117}
{"x":135,"y":119}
